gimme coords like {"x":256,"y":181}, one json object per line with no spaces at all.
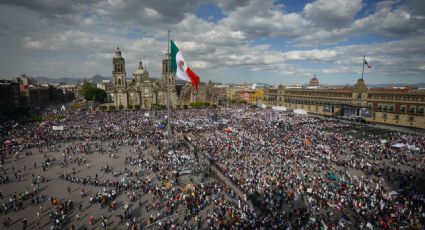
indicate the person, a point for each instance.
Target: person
{"x":24,"y":224}
{"x":91,"y":220}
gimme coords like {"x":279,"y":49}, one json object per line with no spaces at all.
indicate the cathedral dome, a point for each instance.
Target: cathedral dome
{"x":140,"y":70}
{"x":314,"y":81}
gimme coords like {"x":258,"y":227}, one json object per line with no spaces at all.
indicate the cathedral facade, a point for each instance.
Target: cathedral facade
{"x":143,"y":91}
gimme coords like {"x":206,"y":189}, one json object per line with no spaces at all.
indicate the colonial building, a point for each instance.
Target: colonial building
{"x":9,"y":96}
{"x":393,"y":106}
{"x":144,"y":91}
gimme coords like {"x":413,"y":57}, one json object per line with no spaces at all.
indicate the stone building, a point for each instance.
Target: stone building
{"x":395,"y":106}
{"x":9,"y":96}
{"x":314,"y":82}
{"x":144,"y":91}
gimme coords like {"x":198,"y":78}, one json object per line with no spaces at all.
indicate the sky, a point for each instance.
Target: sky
{"x":268,"y":41}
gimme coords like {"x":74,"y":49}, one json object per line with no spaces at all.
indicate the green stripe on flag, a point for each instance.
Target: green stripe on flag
{"x":174,"y":51}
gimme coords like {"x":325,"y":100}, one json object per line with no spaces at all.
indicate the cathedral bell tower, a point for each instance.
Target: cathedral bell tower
{"x":172,"y":79}
{"x":120,"y":83}
{"x":118,"y":71}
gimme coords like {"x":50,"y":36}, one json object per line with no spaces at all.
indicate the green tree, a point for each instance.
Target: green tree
{"x":103,"y":107}
{"x":84,"y":88}
{"x":96,"y":94}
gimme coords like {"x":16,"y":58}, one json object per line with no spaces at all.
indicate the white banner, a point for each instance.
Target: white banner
{"x":58,"y":127}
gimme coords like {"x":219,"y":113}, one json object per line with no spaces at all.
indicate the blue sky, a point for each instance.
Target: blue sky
{"x":275,"y":42}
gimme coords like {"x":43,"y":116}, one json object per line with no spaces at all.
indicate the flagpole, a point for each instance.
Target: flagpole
{"x":364,"y":59}
{"x":168,"y":86}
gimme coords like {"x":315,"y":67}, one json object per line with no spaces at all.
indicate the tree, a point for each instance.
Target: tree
{"x":96,"y":94}
{"x":84,"y":87}
{"x":103,"y":107}
{"x":199,"y":104}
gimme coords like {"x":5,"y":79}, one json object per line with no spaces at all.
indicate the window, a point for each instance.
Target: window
{"x":396,"y":117}
{"x":403,"y":108}
{"x":421,"y":110}
{"x":412,"y":109}
{"x":379,"y":106}
{"x":411,"y":118}
{"x":370,"y":105}
{"x":384,"y":116}
{"x":391,"y":108}
{"x":385,"y":107}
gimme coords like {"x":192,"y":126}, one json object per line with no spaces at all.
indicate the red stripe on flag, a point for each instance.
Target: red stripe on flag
{"x":194,"y":78}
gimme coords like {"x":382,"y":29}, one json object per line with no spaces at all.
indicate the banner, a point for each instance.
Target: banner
{"x":59,"y":128}
{"x":365,"y":112}
{"x":327,"y":108}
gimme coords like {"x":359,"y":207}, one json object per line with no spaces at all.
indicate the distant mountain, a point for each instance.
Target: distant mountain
{"x":264,"y":84}
{"x":96,"y":79}
{"x":99,"y":78}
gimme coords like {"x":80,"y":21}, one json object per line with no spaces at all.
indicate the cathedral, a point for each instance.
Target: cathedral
{"x":145,"y":92}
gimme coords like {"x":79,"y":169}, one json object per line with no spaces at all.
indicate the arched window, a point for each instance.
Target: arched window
{"x":119,"y":81}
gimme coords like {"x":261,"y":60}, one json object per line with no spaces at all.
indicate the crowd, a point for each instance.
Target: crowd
{"x":316,"y":175}
{"x":288,"y":171}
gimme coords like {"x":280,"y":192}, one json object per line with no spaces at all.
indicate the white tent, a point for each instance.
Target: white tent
{"x":279,"y":108}
{"x":300,"y":111}
{"x":261,"y":105}
{"x":59,"y":128}
{"x":398,"y":145}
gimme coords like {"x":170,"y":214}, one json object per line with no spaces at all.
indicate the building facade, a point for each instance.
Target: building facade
{"x":403,"y":106}
{"x":145,"y":92}
{"x":9,"y":96}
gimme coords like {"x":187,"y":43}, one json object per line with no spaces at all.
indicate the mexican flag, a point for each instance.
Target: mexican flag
{"x":181,"y":68}
{"x":368,"y":66}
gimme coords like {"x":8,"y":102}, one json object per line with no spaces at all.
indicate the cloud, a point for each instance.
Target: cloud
{"x":264,"y":19}
{"x":85,"y":34}
{"x":331,"y":14}
{"x":311,"y":55}
{"x":52,"y":8}
{"x":387,"y":21}
{"x":30,"y":44}
{"x":148,"y":15}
